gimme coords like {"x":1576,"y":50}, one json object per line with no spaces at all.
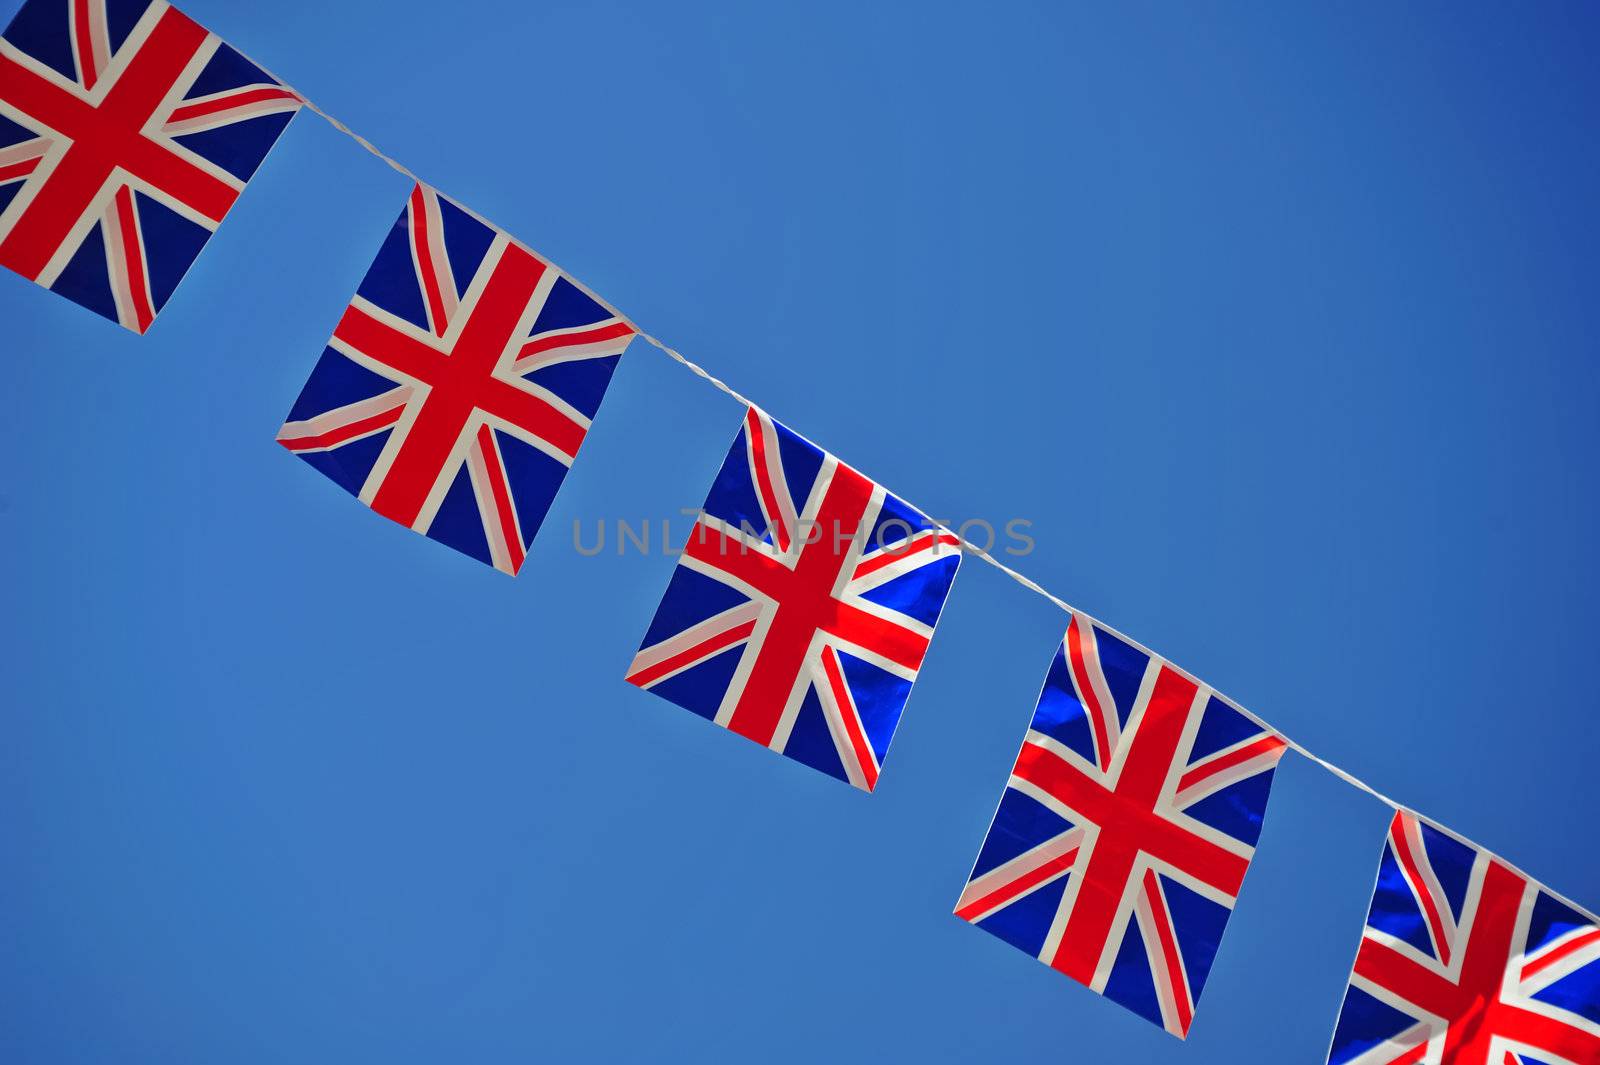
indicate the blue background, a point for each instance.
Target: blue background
{"x":1278,"y":325}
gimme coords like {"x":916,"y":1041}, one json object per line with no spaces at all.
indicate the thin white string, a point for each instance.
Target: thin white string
{"x":973,"y":549}
{"x":352,"y":134}
{"x":675,"y":356}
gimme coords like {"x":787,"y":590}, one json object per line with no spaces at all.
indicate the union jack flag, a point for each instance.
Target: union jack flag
{"x":126,"y":133}
{"x":1125,"y":831}
{"x":459,"y":384}
{"x":802,"y":607}
{"x":1464,"y":961}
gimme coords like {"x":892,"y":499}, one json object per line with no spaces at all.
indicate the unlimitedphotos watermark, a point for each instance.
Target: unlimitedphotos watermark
{"x":652,"y":536}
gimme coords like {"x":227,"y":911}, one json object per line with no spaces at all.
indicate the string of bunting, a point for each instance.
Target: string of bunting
{"x":454,"y":395}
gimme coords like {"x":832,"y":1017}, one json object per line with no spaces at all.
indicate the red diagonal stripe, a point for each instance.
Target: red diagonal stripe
{"x":610,"y":331}
{"x":1566,"y":950}
{"x":335,"y":437}
{"x":1019,"y":887}
{"x":888,"y":556}
{"x":502,"y":497}
{"x":427,"y":269}
{"x":704,"y":649}
{"x":16,"y":170}
{"x":133,"y":256}
{"x":89,"y":73}
{"x":864,"y":756}
{"x":1166,"y":938}
{"x":1412,"y":863}
{"x":763,"y":479}
{"x":1091,"y":700}
{"x":1222,"y":763}
{"x":242,"y":98}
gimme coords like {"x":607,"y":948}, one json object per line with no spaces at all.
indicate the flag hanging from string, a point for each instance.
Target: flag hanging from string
{"x":459,"y":384}
{"x":126,"y":134}
{"x":1124,"y":833}
{"x":801,"y":609}
{"x":1465,"y":961}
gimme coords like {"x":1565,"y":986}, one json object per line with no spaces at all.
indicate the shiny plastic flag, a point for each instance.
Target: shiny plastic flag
{"x":1125,"y":831}
{"x":802,"y":607}
{"x":1465,"y":961}
{"x":126,"y":134}
{"x":457,"y":388}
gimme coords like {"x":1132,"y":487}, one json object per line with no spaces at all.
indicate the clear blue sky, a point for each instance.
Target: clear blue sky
{"x":1278,"y":325}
